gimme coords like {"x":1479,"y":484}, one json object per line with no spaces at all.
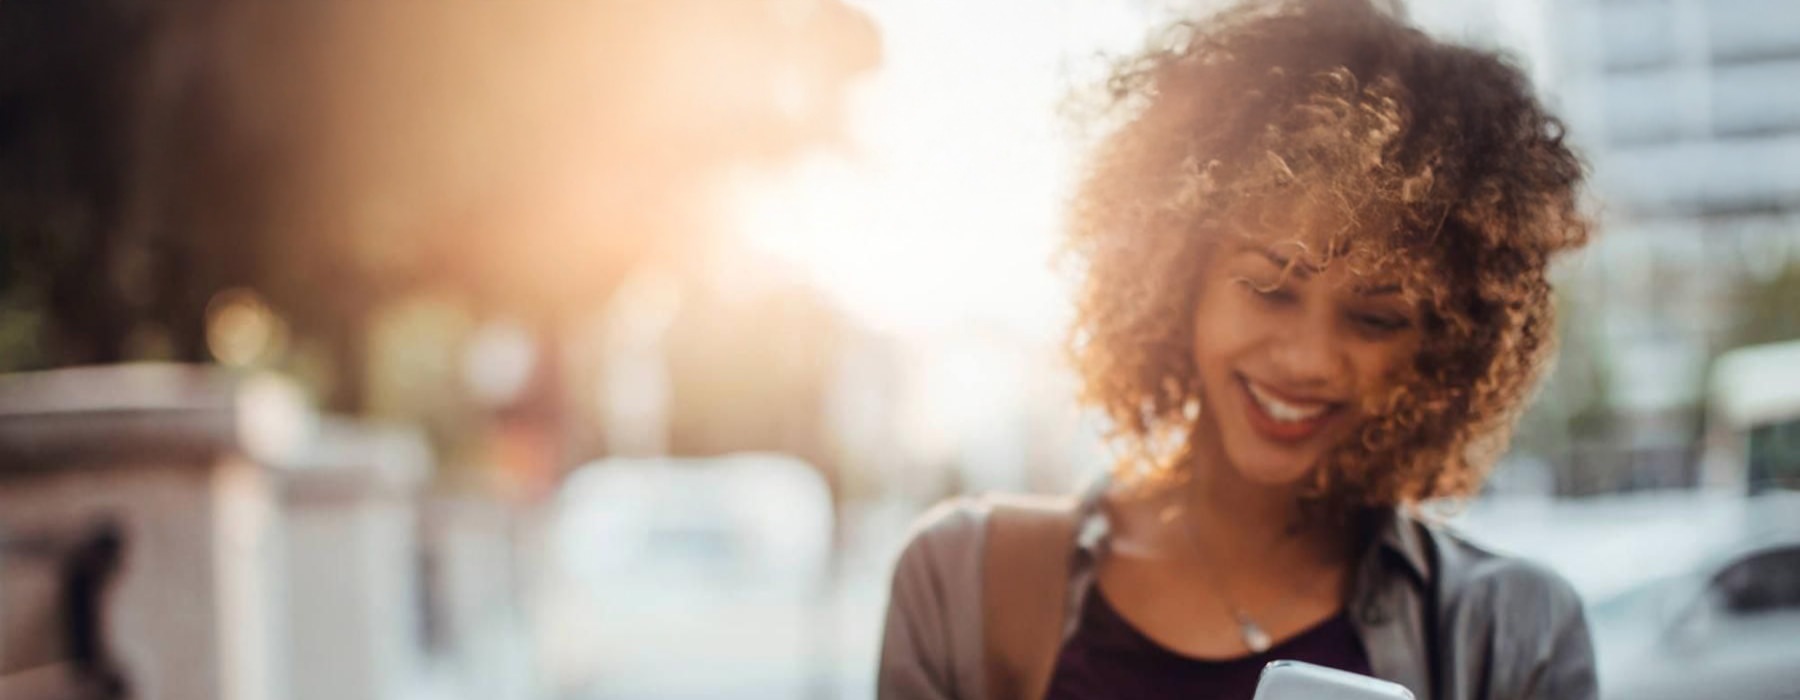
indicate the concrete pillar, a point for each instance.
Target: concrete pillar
{"x":353,"y":591}
{"x":166,"y":457}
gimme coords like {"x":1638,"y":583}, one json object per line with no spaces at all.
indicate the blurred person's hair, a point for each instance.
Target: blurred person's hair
{"x":1403,"y":154}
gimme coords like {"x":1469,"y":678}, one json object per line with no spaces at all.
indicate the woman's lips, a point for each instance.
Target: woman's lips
{"x":1297,"y":421}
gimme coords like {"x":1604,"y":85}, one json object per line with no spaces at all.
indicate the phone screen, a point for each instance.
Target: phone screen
{"x":1298,"y":680}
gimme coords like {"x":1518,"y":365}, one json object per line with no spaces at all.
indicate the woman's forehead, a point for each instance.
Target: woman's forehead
{"x":1315,"y":237}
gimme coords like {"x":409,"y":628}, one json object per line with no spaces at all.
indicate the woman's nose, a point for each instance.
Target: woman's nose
{"x":1306,"y":354}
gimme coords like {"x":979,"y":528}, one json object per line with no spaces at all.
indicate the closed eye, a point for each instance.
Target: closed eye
{"x":1381,"y":323}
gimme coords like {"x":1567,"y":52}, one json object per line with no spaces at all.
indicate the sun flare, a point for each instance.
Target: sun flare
{"x":945,"y":210}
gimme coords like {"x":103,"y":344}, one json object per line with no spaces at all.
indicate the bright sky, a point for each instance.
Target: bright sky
{"x":948,"y":211}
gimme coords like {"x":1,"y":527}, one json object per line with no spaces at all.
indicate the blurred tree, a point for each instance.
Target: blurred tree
{"x":1573,"y":404}
{"x":66,"y":190}
{"x":1768,"y":309}
{"x":515,"y":157}
{"x":749,"y":367}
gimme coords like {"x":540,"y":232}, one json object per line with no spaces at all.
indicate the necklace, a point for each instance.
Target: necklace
{"x":1254,"y":636}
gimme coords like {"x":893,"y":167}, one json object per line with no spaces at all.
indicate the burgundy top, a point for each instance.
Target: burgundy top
{"x":1109,"y":658}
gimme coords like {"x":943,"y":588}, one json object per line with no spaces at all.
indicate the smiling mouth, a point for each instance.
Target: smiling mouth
{"x":1284,"y":419}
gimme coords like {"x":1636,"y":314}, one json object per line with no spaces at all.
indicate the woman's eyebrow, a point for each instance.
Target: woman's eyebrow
{"x":1286,"y":264}
{"x":1303,"y":270}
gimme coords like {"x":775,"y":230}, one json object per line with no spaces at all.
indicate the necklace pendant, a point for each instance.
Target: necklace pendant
{"x":1254,"y":637}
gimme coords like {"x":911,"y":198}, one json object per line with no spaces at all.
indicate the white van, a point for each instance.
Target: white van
{"x":1754,"y":438}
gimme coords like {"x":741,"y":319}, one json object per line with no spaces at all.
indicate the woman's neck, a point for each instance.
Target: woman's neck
{"x":1191,"y":558}
{"x":1243,"y":524}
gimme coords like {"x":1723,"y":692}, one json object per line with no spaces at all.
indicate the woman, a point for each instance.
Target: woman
{"x":1314,"y":295}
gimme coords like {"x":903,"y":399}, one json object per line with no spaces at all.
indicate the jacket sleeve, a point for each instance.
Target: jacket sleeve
{"x":1566,"y":671}
{"x":930,"y":647}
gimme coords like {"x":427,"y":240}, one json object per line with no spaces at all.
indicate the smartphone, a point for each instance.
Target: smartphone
{"x":1298,"y":680}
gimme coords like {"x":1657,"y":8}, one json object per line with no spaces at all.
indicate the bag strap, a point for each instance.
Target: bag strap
{"x":1025,"y":577}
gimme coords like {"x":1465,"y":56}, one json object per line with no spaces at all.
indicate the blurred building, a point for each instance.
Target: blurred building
{"x":1685,"y":112}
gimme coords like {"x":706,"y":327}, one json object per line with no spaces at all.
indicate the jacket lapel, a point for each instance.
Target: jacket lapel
{"x":1389,"y":603}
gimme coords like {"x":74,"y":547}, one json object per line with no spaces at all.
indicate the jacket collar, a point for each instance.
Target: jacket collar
{"x":1394,"y":531}
{"x":1397,"y":532}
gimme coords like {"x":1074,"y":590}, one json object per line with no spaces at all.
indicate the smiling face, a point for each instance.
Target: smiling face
{"x":1285,"y":352}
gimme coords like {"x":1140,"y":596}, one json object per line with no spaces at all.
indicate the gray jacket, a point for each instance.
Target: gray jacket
{"x":1446,"y":619}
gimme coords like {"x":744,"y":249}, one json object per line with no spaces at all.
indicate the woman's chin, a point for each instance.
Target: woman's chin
{"x":1273,"y":470}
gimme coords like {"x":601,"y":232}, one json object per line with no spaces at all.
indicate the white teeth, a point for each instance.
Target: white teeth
{"x":1284,"y":411}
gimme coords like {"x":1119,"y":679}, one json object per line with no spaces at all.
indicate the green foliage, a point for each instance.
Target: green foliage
{"x":1573,"y":403}
{"x":1769,"y":309}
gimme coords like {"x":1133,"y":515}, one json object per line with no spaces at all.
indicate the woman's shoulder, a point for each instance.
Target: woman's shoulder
{"x":932,"y":645}
{"x":949,"y":540}
{"x":958,"y":525}
{"x":1528,"y":618}
{"x":1467,"y":568}
{"x":1525,"y":610}
{"x":952,"y":529}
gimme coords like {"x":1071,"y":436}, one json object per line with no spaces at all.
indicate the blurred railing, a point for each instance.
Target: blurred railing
{"x":183,"y":533}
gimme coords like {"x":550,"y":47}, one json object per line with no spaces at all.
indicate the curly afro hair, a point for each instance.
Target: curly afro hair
{"x":1437,"y":159}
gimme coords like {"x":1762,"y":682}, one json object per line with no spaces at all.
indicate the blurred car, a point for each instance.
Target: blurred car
{"x":1727,"y":629}
{"x":690,"y":578}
